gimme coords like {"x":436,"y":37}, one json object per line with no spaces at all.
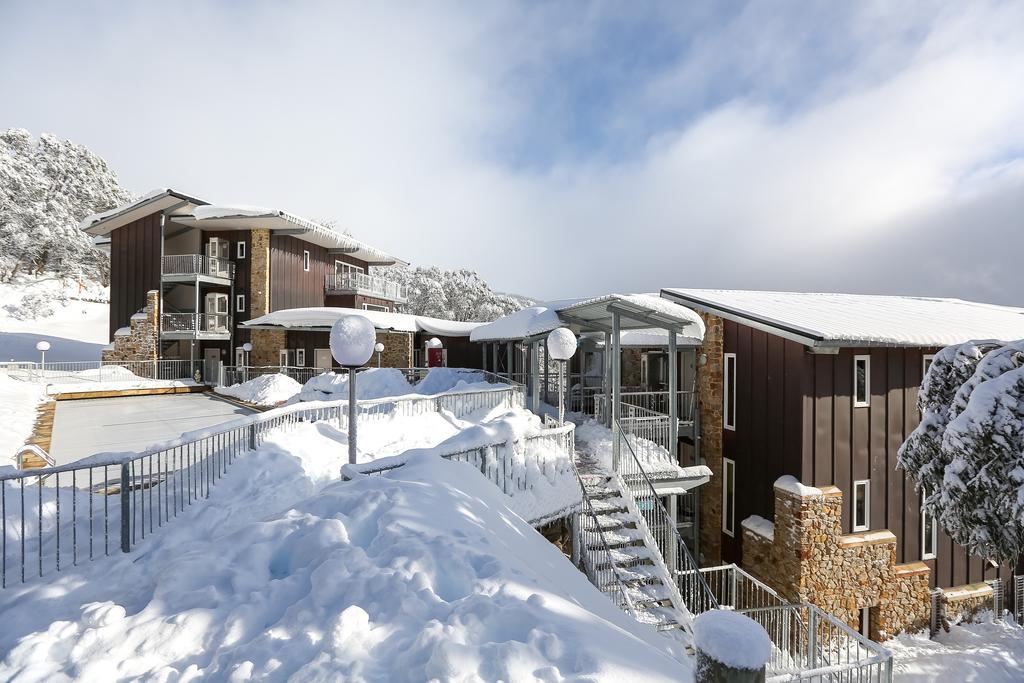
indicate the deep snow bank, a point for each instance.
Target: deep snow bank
{"x":422,"y":574}
{"x":988,"y":651}
{"x":389,"y":382}
{"x":266,"y":390}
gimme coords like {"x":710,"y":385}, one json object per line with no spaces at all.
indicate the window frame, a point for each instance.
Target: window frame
{"x":865,"y":622}
{"x":729,"y":391}
{"x":926,"y":360}
{"x":239,"y":357}
{"x":925,"y":516}
{"x":300,"y":357}
{"x":375,"y":307}
{"x":728,"y":497}
{"x":239,"y":303}
{"x":866,"y":526}
{"x":240,"y":250}
{"x":866,"y":403}
{"x":305,"y":260}
{"x":345,"y":265}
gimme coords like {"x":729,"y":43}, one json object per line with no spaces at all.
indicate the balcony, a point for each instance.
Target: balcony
{"x":195,"y":326}
{"x":193,"y":267}
{"x":365,"y":285}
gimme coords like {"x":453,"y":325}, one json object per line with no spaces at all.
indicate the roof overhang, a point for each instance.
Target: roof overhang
{"x":169,"y":202}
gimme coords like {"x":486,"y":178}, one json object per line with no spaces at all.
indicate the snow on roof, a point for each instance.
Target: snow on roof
{"x":325,"y":317}
{"x":858,"y":319}
{"x":160,"y":199}
{"x":654,"y":337}
{"x":587,"y":314}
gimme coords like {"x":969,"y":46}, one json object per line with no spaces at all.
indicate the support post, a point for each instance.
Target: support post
{"x":126,"y":510}
{"x":510,"y":359}
{"x":673,"y":397}
{"x":352,"y":416}
{"x":535,"y":375}
{"x":547,"y":375}
{"x":616,"y":390}
{"x":494,"y":357}
{"x":483,"y":361}
{"x":606,"y":389}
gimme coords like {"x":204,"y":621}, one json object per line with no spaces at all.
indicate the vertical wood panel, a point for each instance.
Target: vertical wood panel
{"x":878,"y":438}
{"x":894,"y":488}
{"x":824,"y":421}
{"x":842,"y":407}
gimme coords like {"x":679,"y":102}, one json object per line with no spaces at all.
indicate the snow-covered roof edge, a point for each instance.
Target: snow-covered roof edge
{"x":324,"y":317}
{"x":93,"y":221}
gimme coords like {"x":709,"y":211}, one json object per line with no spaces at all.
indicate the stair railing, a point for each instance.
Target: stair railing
{"x":588,"y":536}
{"x":684,"y":571}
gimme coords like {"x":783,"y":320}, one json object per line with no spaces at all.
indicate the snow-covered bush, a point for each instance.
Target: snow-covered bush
{"x":967,"y":456}
{"x":451,"y":294}
{"x":46,"y":187}
{"x":35,"y":305}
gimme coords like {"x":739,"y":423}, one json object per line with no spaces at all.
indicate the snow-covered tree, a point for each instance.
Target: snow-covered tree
{"x":46,"y":187}
{"x":969,"y":458}
{"x":451,"y":294}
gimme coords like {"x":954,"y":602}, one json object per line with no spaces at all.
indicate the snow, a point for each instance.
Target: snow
{"x":594,"y":443}
{"x":760,"y":526}
{"x":266,"y":390}
{"x":286,"y":572}
{"x":18,"y":403}
{"x":76,"y":329}
{"x":791,"y":484}
{"x":213,"y":211}
{"x":325,"y":317}
{"x":983,"y":652}
{"x":389,"y":382}
{"x":839,"y":319}
{"x":352,"y":340}
{"x":654,"y":337}
{"x":732,"y":638}
{"x":97,"y":217}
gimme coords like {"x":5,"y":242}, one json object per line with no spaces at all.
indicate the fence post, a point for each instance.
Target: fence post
{"x":126,"y":511}
{"x":252,"y":436}
{"x":997,"y":598}
{"x":812,"y":637}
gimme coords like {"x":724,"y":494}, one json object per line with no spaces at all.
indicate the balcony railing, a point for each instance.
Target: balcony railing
{"x":361,"y":283}
{"x":196,"y":323}
{"x":196,"y":264}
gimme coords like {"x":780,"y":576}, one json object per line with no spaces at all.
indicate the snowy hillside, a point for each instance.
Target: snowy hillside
{"x":288,"y":572}
{"x":71,"y":316}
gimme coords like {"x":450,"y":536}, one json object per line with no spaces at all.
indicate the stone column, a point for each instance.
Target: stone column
{"x":710,"y":390}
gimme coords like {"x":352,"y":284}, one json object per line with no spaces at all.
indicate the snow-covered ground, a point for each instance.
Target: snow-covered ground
{"x":76,"y":325}
{"x":18,"y":403}
{"x":389,"y":382}
{"x":266,"y":390}
{"x":423,"y":573}
{"x":985,"y":652}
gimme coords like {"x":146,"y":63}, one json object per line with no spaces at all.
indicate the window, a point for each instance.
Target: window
{"x":300,"y":357}
{"x":218,"y":248}
{"x":342,"y":268}
{"x":729,"y":410}
{"x":375,"y":307}
{"x":728,"y":496}
{"x":240,"y":303}
{"x":861,"y":505}
{"x":305,"y":261}
{"x":239,"y":356}
{"x":286,"y":357}
{"x":926,"y":362}
{"x":865,"y":622}
{"x":861,"y":381}
{"x":929,"y":535}
{"x":241,"y":250}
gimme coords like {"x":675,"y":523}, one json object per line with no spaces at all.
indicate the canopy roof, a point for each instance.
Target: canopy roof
{"x":636,"y":312}
{"x":323,"y":318}
{"x":837,"y":320}
{"x":197,"y":213}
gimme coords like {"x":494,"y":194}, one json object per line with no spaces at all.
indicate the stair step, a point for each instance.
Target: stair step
{"x":608,"y":505}
{"x":622,"y":536}
{"x":663,"y":618}
{"x":650,"y":595}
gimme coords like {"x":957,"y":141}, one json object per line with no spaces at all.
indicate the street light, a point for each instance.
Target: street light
{"x":42,"y":347}
{"x":352,"y":344}
{"x":247,"y":347}
{"x":561,"y":346}
{"x":379,"y":348}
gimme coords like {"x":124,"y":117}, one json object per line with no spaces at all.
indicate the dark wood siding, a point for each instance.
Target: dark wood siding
{"x":290,"y":285}
{"x":134,"y":268}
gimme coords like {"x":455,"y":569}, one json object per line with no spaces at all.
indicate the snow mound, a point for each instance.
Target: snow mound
{"x":424,"y":573}
{"x":732,"y":638}
{"x":266,"y":390}
{"x":988,"y":651}
{"x":791,"y":484}
{"x":389,"y":382}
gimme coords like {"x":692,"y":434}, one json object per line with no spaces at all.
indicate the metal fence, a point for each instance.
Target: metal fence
{"x":197,"y":264}
{"x":1018,"y":599}
{"x":58,"y":516}
{"x":198,"y":323}
{"x":369,"y":284}
{"x":236,"y":374}
{"x":69,"y":372}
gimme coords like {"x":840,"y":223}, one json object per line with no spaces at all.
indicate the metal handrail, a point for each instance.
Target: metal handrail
{"x":196,"y":322}
{"x":34,"y":449}
{"x":373,"y":284}
{"x":693,"y":588}
{"x":197,"y":264}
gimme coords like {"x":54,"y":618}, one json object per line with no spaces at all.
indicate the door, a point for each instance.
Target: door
{"x":211,"y":365}
{"x":322,"y":359}
{"x":216,"y":312}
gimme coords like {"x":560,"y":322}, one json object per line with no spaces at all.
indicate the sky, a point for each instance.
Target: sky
{"x":570,"y":149}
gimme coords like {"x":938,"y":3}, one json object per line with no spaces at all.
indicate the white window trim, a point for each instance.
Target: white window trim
{"x":935,"y":535}
{"x":867,"y":381}
{"x":300,"y":358}
{"x":345,"y":265}
{"x":728,"y":391}
{"x":865,"y":622}
{"x":305,"y":260}
{"x":282,"y":358}
{"x":728,"y":464}
{"x":924,"y":363}
{"x":375,"y":307}
{"x":240,"y":303}
{"x":239,"y":356}
{"x":867,"y":505}
{"x":240,"y":250}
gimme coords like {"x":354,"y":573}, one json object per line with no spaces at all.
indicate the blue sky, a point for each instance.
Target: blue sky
{"x":568,"y":149}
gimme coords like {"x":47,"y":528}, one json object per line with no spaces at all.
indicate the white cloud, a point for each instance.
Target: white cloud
{"x":764,"y":153}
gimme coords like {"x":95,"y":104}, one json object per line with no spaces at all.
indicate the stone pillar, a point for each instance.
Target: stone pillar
{"x":259,"y":275}
{"x":140,"y":341}
{"x":710,"y":394}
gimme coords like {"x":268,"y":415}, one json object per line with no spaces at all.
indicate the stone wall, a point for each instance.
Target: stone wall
{"x":259,"y":273}
{"x":710,"y":391}
{"x":141,"y":339}
{"x":266,"y":347}
{"x":962,"y":603}
{"x":806,"y":558}
{"x":397,"y":350}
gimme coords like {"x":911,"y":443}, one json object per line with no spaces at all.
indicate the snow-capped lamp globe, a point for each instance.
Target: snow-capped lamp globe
{"x":247,"y":347}
{"x":434,"y":343}
{"x":42,"y":347}
{"x":353,"y":338}
{"x":561,"y":346}
{"x":379,"y":348}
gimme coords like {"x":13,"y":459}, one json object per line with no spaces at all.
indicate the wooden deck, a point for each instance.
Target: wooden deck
{"x":42,"y":433}
{"x":115,"y":393}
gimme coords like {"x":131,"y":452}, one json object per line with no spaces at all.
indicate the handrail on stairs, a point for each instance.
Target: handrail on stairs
{"x":35,"y":450}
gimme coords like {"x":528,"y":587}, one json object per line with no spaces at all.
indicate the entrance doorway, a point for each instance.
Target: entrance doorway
{"x":322,"y":359}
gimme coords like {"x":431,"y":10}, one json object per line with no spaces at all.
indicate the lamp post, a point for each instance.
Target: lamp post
{"x":42,"y":347}
{"x":247,"y":347}
{"x":352,"y":344}
{"x":379,"y":348}
{"x":561,"y":346}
